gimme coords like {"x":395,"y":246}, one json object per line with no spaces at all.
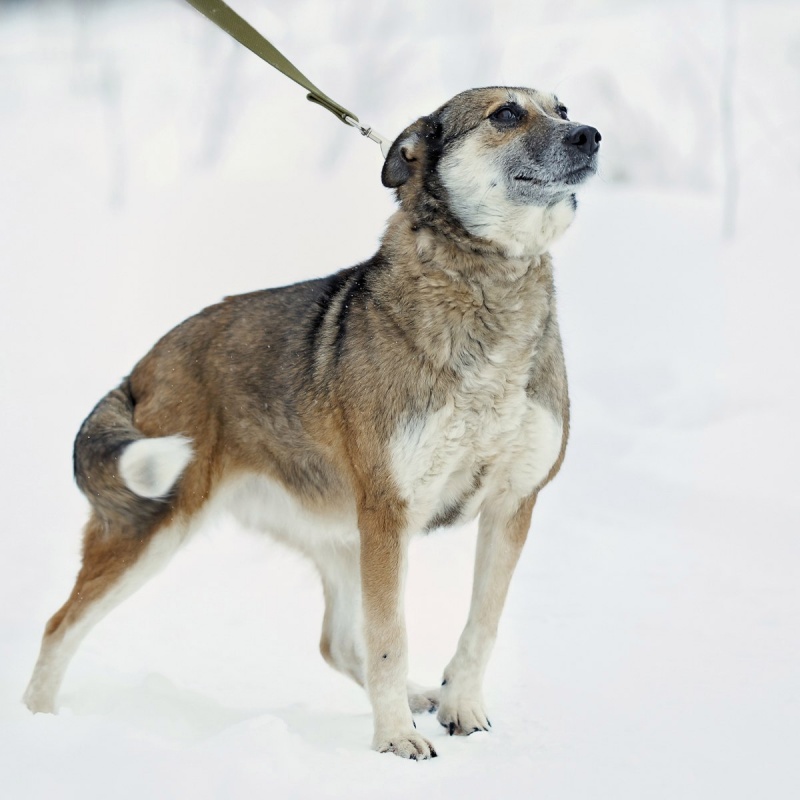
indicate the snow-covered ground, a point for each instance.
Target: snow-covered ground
{"x":651,"y":646}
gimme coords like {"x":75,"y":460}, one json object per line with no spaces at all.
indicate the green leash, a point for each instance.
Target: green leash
{"x":244,"y":33}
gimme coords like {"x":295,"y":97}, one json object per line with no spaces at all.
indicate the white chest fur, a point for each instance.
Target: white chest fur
{"x":495,"y":444}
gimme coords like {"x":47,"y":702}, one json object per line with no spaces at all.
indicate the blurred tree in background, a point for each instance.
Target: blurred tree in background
{"x":686,"y":94}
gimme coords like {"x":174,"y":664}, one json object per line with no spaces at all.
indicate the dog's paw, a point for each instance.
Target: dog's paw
{"x":462,"y":714}
{"x":421,"y":699}
{"x":406,"y":744}
{"x":39,"y":701}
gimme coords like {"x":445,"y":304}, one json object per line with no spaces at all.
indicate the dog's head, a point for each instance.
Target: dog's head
{"x":500,"y":163}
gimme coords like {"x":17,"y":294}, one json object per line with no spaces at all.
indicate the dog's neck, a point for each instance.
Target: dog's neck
{"x":522,"y":231}
{"x":468,"y":298}
{"x":445,"y":245}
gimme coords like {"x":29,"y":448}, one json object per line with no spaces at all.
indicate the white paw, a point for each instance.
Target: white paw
{"x":462,"y":713}
{"x":421,"y":699}
{"x":406,"y":744}
{"x":39,"y":702}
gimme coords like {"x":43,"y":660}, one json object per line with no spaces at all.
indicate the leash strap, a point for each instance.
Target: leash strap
{"x":244,"y":33}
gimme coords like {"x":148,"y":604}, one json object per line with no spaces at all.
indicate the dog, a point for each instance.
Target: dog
{"x":419,"y":389}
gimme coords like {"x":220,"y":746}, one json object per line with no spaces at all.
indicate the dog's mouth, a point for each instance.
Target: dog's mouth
{"x":580,"y":174}
{"x":572,"y":177}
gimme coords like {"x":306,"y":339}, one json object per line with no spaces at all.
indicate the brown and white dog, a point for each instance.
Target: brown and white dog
{"x":342,"y":415}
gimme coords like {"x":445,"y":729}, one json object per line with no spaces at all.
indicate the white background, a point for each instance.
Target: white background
{"x":650,"y":646}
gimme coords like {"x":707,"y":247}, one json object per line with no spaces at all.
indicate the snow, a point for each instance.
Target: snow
{"x":650,"y":646}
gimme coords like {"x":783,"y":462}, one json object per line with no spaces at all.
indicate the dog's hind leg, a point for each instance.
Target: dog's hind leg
{"x":342,"y":640}
{"x":341,"y":643}
{"x":115,"y":564}
{"x":422,"y":699}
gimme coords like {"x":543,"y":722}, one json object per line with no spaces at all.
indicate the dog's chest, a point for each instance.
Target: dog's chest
{"x":488,"y":441}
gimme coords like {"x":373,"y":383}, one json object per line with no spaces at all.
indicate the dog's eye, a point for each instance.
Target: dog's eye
{"x":562,"y":112}
{"x":507,"y":114}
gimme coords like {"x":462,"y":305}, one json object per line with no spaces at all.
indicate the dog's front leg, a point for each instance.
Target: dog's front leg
{"x":384,"y":548}
{"x":501,"y":535}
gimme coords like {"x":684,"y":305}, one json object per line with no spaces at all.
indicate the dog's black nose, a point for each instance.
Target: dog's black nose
{"x":586,"y":139}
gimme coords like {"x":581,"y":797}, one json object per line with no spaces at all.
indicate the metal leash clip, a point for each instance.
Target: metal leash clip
{"x":244,"y":33}
{"x":371,"y":133}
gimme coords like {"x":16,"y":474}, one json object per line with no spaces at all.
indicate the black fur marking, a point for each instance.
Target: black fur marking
{"x":451,"y":514}
{"x":434,"y":142}
{"x":331,"y":288}
{"x":444,"y":519}
{"x":357,"y":289}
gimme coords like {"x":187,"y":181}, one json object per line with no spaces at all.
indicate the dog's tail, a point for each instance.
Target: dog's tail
{"x":125,"y":475}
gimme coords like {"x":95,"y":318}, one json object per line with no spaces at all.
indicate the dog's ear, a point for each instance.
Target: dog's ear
{"x":410,"y":150}
{"x":399,"y":164}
